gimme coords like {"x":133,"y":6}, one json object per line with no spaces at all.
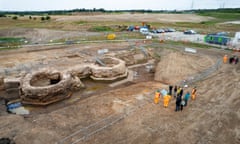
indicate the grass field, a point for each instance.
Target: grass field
{"x":10,"y":41}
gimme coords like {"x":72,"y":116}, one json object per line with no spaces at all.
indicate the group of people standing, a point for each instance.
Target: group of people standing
{"x":177,"y":93}
{"x":232,"y":60}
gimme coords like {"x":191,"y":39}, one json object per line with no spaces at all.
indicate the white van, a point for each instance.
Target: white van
{"x":144,"y":31}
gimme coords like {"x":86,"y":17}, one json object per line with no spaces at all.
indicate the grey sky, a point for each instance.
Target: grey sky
{"x":39,"y":5}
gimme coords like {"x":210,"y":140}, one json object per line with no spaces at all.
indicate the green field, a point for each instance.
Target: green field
{"x":11,"y":41}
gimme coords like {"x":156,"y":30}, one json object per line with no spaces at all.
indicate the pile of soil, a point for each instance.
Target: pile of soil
{"x":177,"y":66}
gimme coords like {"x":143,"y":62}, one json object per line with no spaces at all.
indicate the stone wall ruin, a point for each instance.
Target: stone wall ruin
{"x":48,"y":85}
{"x":45,"y":87}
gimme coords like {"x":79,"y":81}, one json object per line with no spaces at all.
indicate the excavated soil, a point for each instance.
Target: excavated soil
{"x":177,"y":66}
{"x":127,"y":114}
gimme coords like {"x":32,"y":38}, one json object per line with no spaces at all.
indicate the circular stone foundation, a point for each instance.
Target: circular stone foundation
{"x":45,"y":79}
{"x":45,"y":86}
{"x":108,"y":68}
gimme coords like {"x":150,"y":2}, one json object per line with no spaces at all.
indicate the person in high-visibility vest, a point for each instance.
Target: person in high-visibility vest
{"x":193,"y":94}
{"x":225,"y":59}
{"x":157,"y":97}
{"x":166,"y":100}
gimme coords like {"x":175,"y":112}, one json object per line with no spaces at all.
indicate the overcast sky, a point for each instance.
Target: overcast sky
{"x":41,"y":5}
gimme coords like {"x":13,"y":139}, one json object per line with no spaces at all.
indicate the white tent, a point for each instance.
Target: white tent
{"x":236,"y":41}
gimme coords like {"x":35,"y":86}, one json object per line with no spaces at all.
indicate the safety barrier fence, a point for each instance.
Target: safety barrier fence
{"x":196,"y":77}
{"x":202,"y":75}
{"x":84,"y":133}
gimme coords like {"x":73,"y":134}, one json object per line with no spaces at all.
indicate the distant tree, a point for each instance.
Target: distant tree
{"x":30,"y":17}
{"x":101,"y":10}
{"x":48,"y":18}
{"x":42,"y":18}
{"x":15,"y":17}
{"x":2,"y":15}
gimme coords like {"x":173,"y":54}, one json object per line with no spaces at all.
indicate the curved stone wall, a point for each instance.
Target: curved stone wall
{"x":114,"y":69}
{"x":58,"y":85}
{"x":44,"y":94}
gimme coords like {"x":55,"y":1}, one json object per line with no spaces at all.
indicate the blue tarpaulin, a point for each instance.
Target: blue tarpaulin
{"x":164,"y":92}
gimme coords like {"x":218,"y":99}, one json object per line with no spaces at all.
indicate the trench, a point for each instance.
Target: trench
{"x":93,"y":88}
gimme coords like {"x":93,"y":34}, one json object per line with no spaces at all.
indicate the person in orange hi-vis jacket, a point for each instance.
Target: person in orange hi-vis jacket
{"x":157,"y":97}
{"x":193,"y":94}
{"x":225,"y":59}
{"x":166,"y":100}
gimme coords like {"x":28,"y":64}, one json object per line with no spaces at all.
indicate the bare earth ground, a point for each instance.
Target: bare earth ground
{"x":41,"y":35}
{"x":176,"y":66}
{"x":36,"y":35}
{"x":127,"y":114}
{"x":136,"y":18}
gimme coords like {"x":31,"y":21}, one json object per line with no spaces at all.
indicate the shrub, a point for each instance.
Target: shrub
{"x":48,"y":17}
{"x":15,"y":17}
{"x":101,"y":29}
{"x":42,"y":18}
{"x":2,"y":15}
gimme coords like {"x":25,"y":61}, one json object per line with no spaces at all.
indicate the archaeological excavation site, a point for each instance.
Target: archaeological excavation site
{"x":68,"y":85}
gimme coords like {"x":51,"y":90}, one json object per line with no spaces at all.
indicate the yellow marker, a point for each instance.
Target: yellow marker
{"x":111,"y":36}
